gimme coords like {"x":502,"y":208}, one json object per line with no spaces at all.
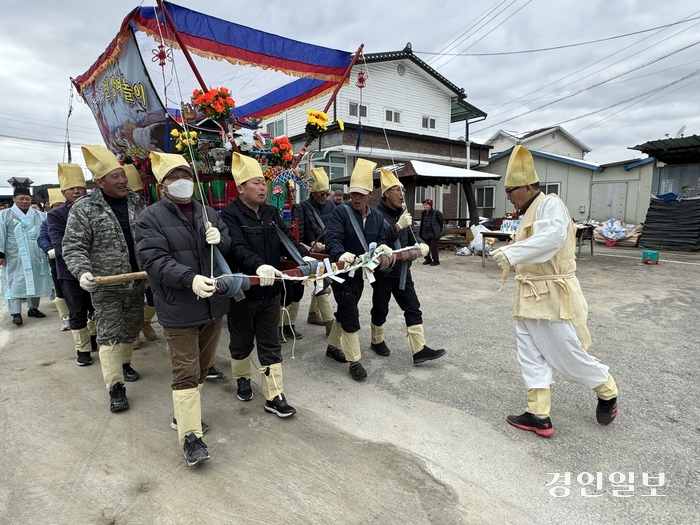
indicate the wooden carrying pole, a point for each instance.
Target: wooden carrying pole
{"x":254,"y":279}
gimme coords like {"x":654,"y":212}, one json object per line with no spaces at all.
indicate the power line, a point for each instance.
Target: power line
{"x":591,"y":86}
{"x":556,"y":47}
{"x":584,"y":68}
{"x":492,"y":30}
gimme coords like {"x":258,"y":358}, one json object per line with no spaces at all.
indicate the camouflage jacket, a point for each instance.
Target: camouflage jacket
{"x":94,"y":241}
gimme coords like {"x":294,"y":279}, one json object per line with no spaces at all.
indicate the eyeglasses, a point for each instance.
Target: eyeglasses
{"x":511,"y":190}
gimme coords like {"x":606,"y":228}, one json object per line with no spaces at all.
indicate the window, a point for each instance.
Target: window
{"x":429,"y":123}
{"x":424,"y":193}
{"x":354,"y":108}
{"x":550,"y":188}
{"x":276,"y":128}
{"x":392,"y":116}
{"x":485,"y":197}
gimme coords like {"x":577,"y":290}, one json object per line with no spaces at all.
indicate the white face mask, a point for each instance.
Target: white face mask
{"x":181,"y":189}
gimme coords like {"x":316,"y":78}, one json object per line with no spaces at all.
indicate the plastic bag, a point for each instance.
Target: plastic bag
{"x":476,"y":242}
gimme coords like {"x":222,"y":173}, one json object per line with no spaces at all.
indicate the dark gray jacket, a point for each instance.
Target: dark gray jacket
{"x":431,"y":224}
{"x":172,"y":253}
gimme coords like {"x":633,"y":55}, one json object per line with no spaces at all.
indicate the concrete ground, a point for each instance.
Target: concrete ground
{"x":410,"y":445}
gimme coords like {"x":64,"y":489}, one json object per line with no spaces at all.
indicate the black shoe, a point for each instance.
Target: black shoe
{"x":34,"y":312}
{"x":428,"y":260}
{"x":291,"y":331}
{"x":335,"y":352}
{"x":357,"y":371}
{"x":244,"y":392}
{"x":606,"y":411}
{"x":205,"y":427}
{"x":195,"y":450}
{"x":84,"y":359}
{"x":435,"y":263}
{"x":130,"y":375}
{"x":17,"y":319}
{"x":117,"y":398}
{"x":527,"y":421}
{"x":380,"y":348}
{"x":213,"y":373}
{"x":427,"y":354}
{"x":93,"y":343}
{"x":280,"y":407}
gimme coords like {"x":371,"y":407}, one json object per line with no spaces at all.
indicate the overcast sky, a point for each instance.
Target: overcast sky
{"x":43,"y":43}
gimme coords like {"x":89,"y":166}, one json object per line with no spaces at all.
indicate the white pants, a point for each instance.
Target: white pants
{"x":544,"y":346}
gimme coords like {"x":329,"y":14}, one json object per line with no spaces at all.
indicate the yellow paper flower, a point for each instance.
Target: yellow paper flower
{"x":175,"y":133}
{"x":193,"y":134}
{"x":178,"y":146}
{"x":341,"y":125}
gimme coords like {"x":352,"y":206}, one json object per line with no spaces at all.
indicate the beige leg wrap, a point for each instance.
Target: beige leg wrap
{"x":148,"y":313}
{"x":272,"y":381}
{"x":416,"y":337}
{"x":127,"y":349}
{"x":334,"y":336}
{"x":111,"y":362}
{"x":61,"y":306}
{"x":82,"y":340}
{"x":313,"y":306}
{"x":538,"y":402}
{"x":350,"y":343}
{"x":187,"y":409}
{"x":377,"y":333}
{"x":92,"y":329}
{"x":293,"y":311}
{"x":607,"y":390}
{"x":325,"y":308}
{"x":241,"y":368}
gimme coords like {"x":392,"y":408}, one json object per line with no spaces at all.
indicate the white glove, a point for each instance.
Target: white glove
{"x":203,"y":286}
{"x":385,"y":250}
{"x":267,"y":274}
{"x":213,"y":235}
{"x":424,"y":249}
{"x":51,"y":253}
{"x":87,"y":282}
{"x":310,"y":259}
{"x":405,"y":220}
{"x":347,"y":258}
{"x":501,"y":259}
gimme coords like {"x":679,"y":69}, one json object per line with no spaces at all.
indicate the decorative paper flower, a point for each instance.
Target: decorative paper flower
{"x":186,"y":144}
{"x":281,"y":152}
{"x":315,"y":124}
{"x":215,"y":103}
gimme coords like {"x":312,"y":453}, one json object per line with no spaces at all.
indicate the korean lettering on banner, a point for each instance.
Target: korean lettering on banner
{"x":127,"y":109}
{"x":592,"y":484}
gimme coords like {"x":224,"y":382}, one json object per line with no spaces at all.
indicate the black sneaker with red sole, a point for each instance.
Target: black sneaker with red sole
{"x":527,"y":421}
{"x":606,"y":411}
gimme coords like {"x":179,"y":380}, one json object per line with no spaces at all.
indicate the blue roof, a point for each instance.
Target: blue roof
{"x":551,"y":156}
{"x":637,"y":163}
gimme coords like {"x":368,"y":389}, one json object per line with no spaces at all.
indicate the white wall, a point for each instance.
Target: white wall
{"x":574,"y":184}
{"x":414,"y":95}
{"x":638,"y":189}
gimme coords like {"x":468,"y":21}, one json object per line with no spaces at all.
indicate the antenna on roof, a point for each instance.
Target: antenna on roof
{"x":679,"y":135}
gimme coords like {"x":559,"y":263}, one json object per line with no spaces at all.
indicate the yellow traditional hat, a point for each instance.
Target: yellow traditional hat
{"x":163,"y":164}
{"x":521,"y":168}
{"x":244,"y":168}
{"x":99,"y":160}
{"x":388,"y":180}
{"x":361,"y":178}
{"x":70,"y":176}
{"x":56,"y":195}
{"x":132,"y":177}
{"x":320,"y":180}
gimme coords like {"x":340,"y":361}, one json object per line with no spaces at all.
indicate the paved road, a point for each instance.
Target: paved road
{"x":411,"y":445}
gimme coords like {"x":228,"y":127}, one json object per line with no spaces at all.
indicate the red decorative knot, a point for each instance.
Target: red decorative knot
{"x":361,"y":79}
{"x":161,"y":55}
